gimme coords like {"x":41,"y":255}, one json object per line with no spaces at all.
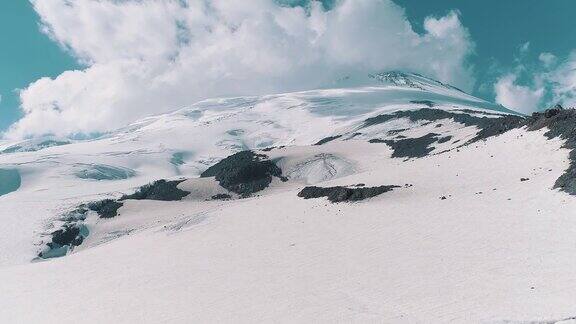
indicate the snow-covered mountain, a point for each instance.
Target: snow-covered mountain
{"x":402,"y":200}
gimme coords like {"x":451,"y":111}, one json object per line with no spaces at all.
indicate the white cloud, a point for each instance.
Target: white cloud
{"x":547,"y":59}
{"x":151,"y":56}
{"x":524,"y":49}
{"x":562,"y":81}
{"x":517,"y":97}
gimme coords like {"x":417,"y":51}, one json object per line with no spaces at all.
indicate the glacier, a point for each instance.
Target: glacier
{"x":461,"y":237}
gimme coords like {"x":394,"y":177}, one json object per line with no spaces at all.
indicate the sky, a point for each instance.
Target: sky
{"x":81,"y":67}
{"x":26,"y":55}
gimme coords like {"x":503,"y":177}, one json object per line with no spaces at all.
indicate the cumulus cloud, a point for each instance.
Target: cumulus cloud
{"x":549,"y":82}
{"x":517,"y":97}
{"x":548,"y":59}
{"x":152,"y":56}
{"x":562,"y":81}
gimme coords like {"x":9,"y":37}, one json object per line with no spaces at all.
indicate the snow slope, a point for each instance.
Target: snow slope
{"x":407,"y":256}
{"x":183,"y":144}
{"x":462,"y":240}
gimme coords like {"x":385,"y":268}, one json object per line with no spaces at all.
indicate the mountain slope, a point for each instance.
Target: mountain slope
{"x":184,"y":143}
{"x":446,"y":212}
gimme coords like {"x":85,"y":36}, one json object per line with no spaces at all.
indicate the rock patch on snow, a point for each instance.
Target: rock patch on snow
{"x":71,"y":234}
{"x":560,"y":123}
{"x":488,"y":126}
{"x":107,"y":208}
{"x":413,"y":147}
{"x":244,"y":173}
{"x":328,"y":139}
{"x":161,"y":190}
{"x":344,"y":194}
{"x":64,"y":240}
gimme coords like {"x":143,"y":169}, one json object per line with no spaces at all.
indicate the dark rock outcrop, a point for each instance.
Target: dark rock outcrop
{"x":343,"y":194}
{"x":489,"y":126}
{"x":161,"y":190}
{"x":69,"y":235}
{"x":106,"y":208}
{"x":64,"y":240}
{"x":328,"y":139}
{"x":444,"y":139}
{"x":221,"y":197}
{"x":413,"y":147}
{"x":560,"y":123}
{"x":244,"y":173}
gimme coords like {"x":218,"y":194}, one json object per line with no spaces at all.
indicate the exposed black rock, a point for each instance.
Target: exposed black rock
{"x":69,"y":235}
{"x":159,"y":190}
{"x":488,"y":126}
{"x":268,"y":149}
{"x":485,"y":113}
{"x":397,"y":131}
{"x":413,"y":147}
{"x":244,"y":173}
{"x":420,"y":147}
{"x":106,"y":208}
{"x":376,"y":140}
{"x":328,"y":139}
{"x":444,"y":139}
{"x":76,"y":215}
{"x":221,"y":197}
{"x":524,"y":179}
{"x":353,"y":136}
{"x":342,"y":194}
{"x":63,"y":240}
{"x":560,"y":123}
{"x":74,"y":231}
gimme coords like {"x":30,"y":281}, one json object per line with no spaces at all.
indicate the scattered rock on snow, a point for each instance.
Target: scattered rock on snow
{"x":221,"y":197}
{"x":488,"y":126}
{"x":560,"y":123}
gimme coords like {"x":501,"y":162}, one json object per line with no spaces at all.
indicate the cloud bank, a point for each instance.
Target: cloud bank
{"x":535,"y":86}
{"x":150,"y":56}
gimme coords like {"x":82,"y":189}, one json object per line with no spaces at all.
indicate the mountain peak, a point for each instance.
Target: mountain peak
{"x":410,"y":80}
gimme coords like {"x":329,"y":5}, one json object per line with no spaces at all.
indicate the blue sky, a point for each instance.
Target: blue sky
{"x":509,"y":38}
{"x":25,"y":55}
{"x":501,"y":28}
